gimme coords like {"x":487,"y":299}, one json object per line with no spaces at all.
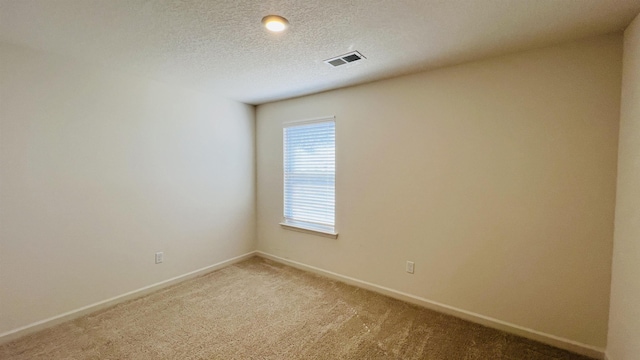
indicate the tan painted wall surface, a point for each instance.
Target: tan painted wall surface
{"x":99,"y":171}
{"x":624,"y":321}
{"x":496,"y":177}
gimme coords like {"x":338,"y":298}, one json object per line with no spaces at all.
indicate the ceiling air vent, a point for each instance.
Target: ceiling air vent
{"x":345,"y":59}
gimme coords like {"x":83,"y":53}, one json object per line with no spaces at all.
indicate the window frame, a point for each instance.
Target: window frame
{"x":301,"y":226}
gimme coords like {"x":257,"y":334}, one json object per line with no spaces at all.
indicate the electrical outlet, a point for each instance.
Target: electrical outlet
{"x":159,"y":257}
{"x":410,"y":267}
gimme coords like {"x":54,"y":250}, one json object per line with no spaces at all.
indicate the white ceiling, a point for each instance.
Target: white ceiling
{"x":219,"y":46}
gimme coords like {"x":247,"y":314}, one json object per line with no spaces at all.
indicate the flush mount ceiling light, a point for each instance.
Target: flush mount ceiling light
{"x":275,"y":23}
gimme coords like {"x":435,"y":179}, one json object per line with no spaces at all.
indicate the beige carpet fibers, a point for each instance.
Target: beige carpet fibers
{"x":259,"y":309}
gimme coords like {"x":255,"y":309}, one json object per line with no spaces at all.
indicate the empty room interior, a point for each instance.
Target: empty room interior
{"x":362,"y":179}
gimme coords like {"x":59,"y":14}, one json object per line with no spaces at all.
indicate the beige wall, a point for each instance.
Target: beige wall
{"x":99,"y":171}
{"x":496,"y":177}
{"x":624,"y":321}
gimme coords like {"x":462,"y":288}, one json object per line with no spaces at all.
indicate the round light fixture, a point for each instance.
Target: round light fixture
{"x":275,"y":23}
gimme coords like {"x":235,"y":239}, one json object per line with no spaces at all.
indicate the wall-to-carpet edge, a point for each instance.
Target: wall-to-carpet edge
{"x":74,"y":314}
{"x":548,"y":339}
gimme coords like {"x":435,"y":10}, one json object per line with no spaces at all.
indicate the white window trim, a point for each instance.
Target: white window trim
{"x":308,"y":230}
{"x":308,"y":121}
{"x":304,"y":228}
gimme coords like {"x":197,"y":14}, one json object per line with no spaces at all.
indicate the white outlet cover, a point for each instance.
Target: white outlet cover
{"x":159,"y":257}
{"x":410,"y":267}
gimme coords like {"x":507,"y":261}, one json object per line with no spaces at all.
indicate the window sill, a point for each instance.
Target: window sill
{"x":307,"y":230}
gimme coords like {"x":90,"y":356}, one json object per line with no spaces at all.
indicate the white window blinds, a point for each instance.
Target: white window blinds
{"x":309,"y":174}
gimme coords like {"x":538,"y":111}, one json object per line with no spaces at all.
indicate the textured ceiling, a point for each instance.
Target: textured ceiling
{"x":219,"y":46}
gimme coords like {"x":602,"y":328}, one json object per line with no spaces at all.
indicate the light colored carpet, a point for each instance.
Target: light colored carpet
{"x":259,"y":309}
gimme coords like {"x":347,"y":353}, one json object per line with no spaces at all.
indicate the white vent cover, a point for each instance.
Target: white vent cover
{"x":349,"y":58}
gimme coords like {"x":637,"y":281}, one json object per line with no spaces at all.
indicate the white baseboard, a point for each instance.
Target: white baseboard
{"x":579,"y":348}
{"x":73,"y":314}
{"x":562,"y":343}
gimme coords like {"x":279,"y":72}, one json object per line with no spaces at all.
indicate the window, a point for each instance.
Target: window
{"x":309,"y":176}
